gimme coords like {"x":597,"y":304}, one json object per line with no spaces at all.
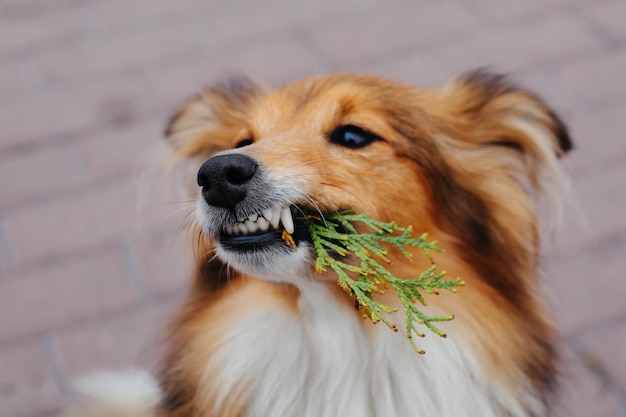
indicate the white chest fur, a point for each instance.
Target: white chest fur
{"x":322,"y":363}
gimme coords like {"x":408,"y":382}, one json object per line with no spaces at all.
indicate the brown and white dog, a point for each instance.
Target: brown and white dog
{"x":263,"y":335}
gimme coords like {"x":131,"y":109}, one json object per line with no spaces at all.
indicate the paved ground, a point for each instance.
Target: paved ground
{"x":91,"y":260}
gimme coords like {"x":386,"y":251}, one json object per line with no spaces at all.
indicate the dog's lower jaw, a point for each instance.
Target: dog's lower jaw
{"x":325,"y":361}
{"x":286,"y":264}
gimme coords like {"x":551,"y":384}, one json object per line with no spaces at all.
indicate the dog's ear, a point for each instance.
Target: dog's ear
{"x":502,"y":124}
{"x":499,"y":147}
{"x":210,"y":121}
{"x":500,"y":113}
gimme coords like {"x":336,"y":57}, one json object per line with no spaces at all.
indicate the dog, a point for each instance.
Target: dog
{"x":262,"y":334}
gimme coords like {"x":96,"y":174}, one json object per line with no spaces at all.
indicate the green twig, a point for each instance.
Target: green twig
{"x":337,"y":234}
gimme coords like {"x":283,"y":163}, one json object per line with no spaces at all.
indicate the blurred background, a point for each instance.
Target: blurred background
{"x":92,"y":260}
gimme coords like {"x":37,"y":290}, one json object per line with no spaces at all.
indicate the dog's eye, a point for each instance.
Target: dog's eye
{"x":352,"y":137}
{"x":244,"y":142}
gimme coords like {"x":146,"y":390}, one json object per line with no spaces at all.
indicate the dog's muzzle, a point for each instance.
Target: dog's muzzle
{"x":243,"y":210}
{"x":253,"y":217}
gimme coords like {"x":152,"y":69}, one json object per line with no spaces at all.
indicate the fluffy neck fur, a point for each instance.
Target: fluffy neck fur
{"x":305,"y":351}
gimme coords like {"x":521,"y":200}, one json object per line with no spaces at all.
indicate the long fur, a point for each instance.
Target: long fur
{"x":267,"y":336}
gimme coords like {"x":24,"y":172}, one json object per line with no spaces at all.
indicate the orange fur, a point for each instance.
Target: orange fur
{"x":466,"y":163}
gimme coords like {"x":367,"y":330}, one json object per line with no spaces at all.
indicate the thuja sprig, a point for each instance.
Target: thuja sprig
{"x":335,"y":237}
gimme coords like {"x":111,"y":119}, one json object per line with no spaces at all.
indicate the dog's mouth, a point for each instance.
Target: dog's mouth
{"x":279,"y":227}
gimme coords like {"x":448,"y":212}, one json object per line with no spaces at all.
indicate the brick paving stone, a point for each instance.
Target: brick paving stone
{"x":27,"y":384}
{"x":138,"y":13}
{"x":166,"y":261}
{"x":11,"y":82}
{"x":102,"y":215}
{"x":125,"y":341}
{"x":542,"y":83}
{"x":503,"y":13}
{"x":36,"y":176}
{"x":511,"y":10}
{"x":52,"y":296}
{"x":173,"y":84}
{"x":600,"y":200}
{"x":76,"y":222}
{"x":6,"y":265}
{"x":73,"y":109}
{"x":122,"y":151}
{"x":259,"y":60}
{"x":583,"y":392}
{"x":414,"y":26}
{"x":530,"y":45}
{"x":33,"y":8}
{"x":599,"y":139}
{"x":165,"y":199}
{"x":607,"y":346}
{"x":418,"y":69}
{"x":588,"y":288}
{"x":20,"y":36}
{"x":140,"y":47}
{"x":609,"y":17}
{"x":272,"y":18}
{"x":598,"y":78}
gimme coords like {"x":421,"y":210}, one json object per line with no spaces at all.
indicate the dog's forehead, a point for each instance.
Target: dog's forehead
{"x":323,"y":101}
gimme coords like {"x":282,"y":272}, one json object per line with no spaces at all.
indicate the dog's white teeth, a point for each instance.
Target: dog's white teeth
{"x":250,"y":226}
{"x":287,"y":220}
{"x":263,"y":224}
{"x":267,"y":213}
{"x":275,"y":218}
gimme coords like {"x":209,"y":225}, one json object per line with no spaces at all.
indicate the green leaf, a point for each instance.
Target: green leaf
{"x":339,"y":234}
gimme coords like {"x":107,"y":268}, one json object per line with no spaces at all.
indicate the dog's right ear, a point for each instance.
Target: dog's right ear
{"x":210,"y":121}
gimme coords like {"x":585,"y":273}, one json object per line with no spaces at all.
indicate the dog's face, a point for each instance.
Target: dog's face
{"x":464,"y":163}
{"x":453,"y":162}
{"x":311,"y":148}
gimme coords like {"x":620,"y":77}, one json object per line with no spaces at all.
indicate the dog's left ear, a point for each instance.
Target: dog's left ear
{"x":501,"y":146}
{"x":211,"y":121}
{"x":496,"y":112}
{"x":505,"y":132}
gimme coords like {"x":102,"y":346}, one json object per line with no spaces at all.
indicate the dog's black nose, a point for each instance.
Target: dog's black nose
{"x":224,"y":179}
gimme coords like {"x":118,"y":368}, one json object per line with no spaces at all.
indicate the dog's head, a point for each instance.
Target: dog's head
{"x":464,"y":162}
